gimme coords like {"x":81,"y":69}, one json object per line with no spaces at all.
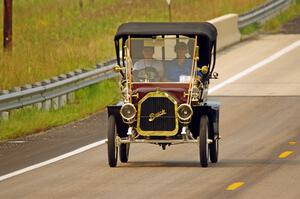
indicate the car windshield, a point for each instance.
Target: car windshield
{"x":168,"y":59}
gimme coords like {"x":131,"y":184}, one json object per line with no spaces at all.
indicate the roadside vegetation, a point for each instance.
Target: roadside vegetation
{"x":88,"y":100}
{"x":51,"y":37}
{"x":274,"y":25}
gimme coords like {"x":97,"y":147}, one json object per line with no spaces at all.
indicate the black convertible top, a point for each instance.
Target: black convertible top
{"x":190,"y":29}
{"x":206,"y":32}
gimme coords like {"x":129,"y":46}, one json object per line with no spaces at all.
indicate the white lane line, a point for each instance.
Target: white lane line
{"x":30,"y":168}
{"x":213,"y":89}
{"x":255,"y":67}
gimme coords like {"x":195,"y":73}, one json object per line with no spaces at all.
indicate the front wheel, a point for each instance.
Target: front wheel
{"x":112,"y":149}
{"x":203,"y":144}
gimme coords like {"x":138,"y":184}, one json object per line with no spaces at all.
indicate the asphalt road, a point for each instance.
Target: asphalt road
{"x":259,"y":151}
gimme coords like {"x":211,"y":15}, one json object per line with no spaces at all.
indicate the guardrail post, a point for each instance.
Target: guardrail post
{"x":13,"y":90}
{"x":16,"y":89}
{"x":62,"y":100}
{"x":78,"y":71}
{"x":99,"y":65}
{"x":55,"y":103}
{"x":39,"y":105}
{"x":46,"y":105}
{"x":4,"y":115}
{"x":70,"y":96}
{"x":27,"y":86}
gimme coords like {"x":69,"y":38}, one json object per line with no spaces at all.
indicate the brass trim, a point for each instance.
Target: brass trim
{"x":135,"y":95}
{"x":203,"y":70}
{"x":185,"y":119}
{"x":157,"y":133}
{"x":194,"y":65}
{"x":153,"y":116}
{"x":118,"y":68}
{"x":130,"y":64}
{"x":128,"y":104}
{"x":185,"y":94}
{"x":128,"y":70}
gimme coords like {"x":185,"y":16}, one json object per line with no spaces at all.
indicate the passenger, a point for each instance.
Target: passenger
{"x":148,"y":63}
{"x":180,"y":66}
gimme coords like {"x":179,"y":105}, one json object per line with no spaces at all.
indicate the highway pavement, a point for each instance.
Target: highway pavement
{"x":259,"y":149}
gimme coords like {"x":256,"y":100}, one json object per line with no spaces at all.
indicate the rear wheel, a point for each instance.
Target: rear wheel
{"x":203,"y":145}
{"x":112,"y":149}
{"x":124,"y":152}
{"x":214,"y":150}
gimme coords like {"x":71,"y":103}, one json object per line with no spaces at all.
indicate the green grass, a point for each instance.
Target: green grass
{"x":275,"y":24}
{"x":250,"y":29}
{"x":88,"y":100}
{"x":51,"y":37}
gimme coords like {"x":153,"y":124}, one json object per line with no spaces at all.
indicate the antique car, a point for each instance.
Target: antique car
{"x":165,"y":72}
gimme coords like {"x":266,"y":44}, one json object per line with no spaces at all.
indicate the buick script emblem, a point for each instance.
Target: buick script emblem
{"x":153,"y":116}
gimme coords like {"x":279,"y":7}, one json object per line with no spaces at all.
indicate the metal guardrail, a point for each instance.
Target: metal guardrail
{"x":263,"y":13}
{"x":46,"y":91}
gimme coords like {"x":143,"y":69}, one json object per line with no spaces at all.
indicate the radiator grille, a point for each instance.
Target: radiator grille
{"x":157,"y":115}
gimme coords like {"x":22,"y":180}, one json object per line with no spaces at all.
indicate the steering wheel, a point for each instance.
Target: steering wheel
{"x":148,"y":74}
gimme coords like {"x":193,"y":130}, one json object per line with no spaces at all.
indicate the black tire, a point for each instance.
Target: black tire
{"x":214,"y":150}
{"x":203,"y":145}
{"x":112,"y":150}
{"x":124,"y":152}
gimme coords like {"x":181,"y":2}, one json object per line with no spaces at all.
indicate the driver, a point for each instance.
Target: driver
{"x":148,"y":66}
